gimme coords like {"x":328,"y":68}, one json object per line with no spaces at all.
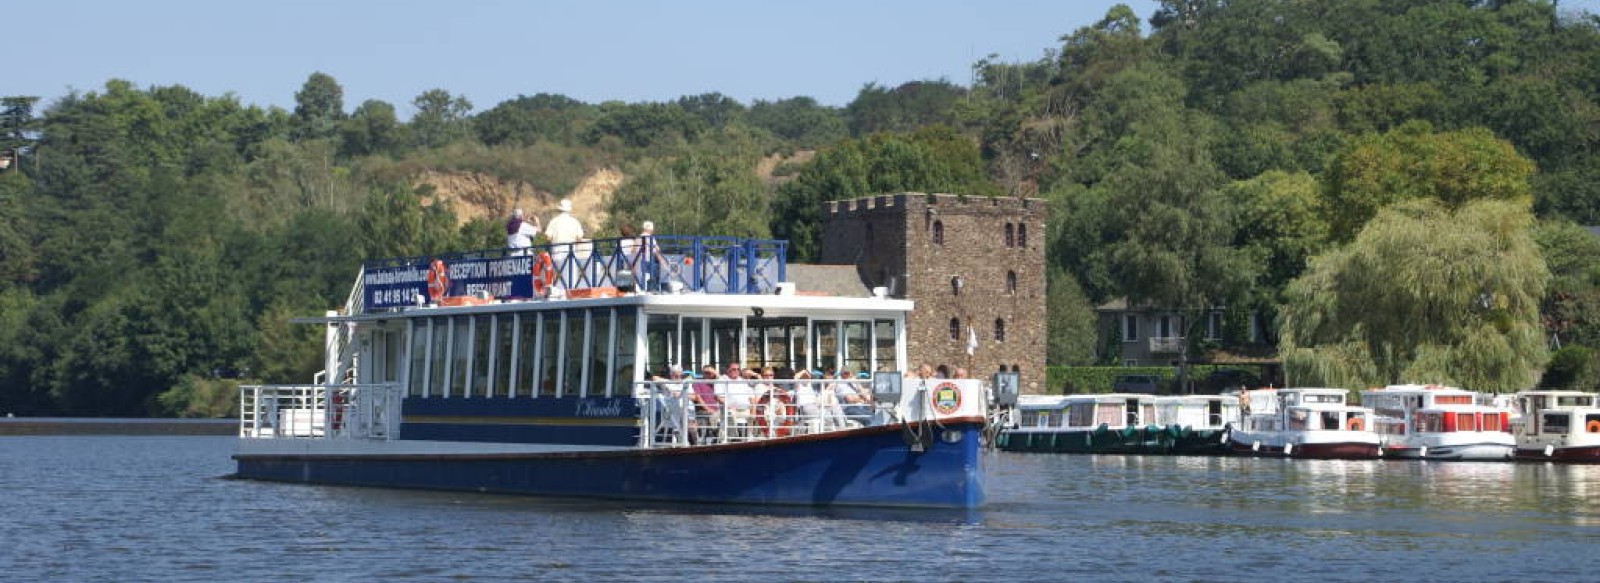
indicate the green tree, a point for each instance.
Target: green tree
{"x":703,"y":190}
{"x":441,"y":119}
{"x":318,"y":108}
{"x":1415,"y":162}
{"x":1571,"y":307}
{"x":1424,"y":293}
{"x":525,"y":120}
{"x":715,"y":110}
{"x":798,"y":120}
{"x":904,"y":108}
{"x":371,"y":129}
{"x":645,"y":125}
{"x":934,"y":159}
{"x":1072,"y":325}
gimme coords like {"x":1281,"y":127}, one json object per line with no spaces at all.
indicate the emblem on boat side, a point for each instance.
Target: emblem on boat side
{"x":946,"y":398}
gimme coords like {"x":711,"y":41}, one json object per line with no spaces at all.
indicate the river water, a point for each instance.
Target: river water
{"x":101,"y":508}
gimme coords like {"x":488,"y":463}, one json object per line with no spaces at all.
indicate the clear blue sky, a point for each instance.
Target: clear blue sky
{"x":491,"y":51}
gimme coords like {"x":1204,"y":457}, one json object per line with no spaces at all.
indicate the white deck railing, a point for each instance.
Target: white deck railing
{"x":673,"y":414}
{"x":319,"y":411}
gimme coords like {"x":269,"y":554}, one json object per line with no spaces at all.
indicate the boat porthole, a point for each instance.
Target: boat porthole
{"x":951,"y":436}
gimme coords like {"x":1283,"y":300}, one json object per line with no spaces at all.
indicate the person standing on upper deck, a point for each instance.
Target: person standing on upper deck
{"x":520,"y":233}
{"x":564,"y":231}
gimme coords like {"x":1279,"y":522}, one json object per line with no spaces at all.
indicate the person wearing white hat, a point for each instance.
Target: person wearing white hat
{"x":564,"y":231}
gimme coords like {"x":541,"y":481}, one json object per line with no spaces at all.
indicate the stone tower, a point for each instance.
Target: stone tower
{"x":973,"y":265}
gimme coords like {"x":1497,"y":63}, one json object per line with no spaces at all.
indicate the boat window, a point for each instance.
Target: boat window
{"x":419,"y":356}
{"x":693,"y":345}
{"x":550,"y":341}
{"x":1080,"y":415}
{"x":1330,"y":421}
{"x":827,"y":347}
{"x":883,"y":340}
{"x":622,"y":364}
{"x":767,"y":340}
{"x":1556,"y":422}
{"x":661,"y":344}
{"x":725,"y":335}
{"x":601,"y":341}
{"x":503,"y":342}
{"x":527,"y":344}
{"x":439,"y":357}
{"x":1591,"y":423}
{"x":799,"y":344}
{"x":482,"y":329}
{"x":1333,"y":399}
{"x":572,"y":359}
{"x":1430,"y":422}
{"x":856,"y":345}
{"x":1466,"y":422}
{"x":460,"y":351}
{"x":1491,"y":422}
{"x":1112,"y":414}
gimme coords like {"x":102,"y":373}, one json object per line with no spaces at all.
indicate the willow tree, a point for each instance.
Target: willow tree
{"x":1423,"y":294}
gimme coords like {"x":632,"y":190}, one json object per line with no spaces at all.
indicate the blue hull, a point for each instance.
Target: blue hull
{"x":867,"y":467}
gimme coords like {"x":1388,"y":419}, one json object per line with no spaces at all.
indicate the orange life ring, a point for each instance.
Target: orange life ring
{"x":544,"y":274}
{"x":438,"y":281}
{"x":1354,"y":424}
{"x":783,"y":425}
{"x":1593,"y":426}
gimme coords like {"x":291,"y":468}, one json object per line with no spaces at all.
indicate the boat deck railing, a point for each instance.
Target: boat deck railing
{"x":666,"y":263}
{"x":673,"y":414}
{"x":319,"y":411}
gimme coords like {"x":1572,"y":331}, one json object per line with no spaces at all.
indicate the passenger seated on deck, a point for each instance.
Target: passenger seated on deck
{"x":707,"y":403}
{"x":849,"y":398}
{"x":675,"y":403}
{"x":804,"y":393}
{"x":736,"y":398}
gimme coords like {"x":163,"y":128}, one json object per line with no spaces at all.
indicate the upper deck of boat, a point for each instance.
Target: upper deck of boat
{"x":670,"y":271}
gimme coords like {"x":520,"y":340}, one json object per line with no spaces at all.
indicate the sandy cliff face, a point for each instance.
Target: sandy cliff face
{"x":479,"y":196}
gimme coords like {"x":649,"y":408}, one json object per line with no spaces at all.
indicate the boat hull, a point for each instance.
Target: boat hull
{"x":867,"y":467}
{"x":1345,"y":445}
{"x":1452,"y":452}
{"x":1587,"y":454}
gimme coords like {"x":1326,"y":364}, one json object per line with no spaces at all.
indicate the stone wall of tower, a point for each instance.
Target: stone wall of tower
{"x":956,"y":257}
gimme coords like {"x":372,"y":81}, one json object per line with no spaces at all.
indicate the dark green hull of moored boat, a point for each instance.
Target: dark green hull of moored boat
{"x":1149,"y":439}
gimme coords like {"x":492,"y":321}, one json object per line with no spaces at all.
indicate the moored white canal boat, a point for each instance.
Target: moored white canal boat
{"x":1439,"y":423}
{"x":1558,"y":426}
{"x":1303,"y":423}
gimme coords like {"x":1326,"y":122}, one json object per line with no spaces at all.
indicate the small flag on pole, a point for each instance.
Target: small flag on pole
{"x":972,"y":340}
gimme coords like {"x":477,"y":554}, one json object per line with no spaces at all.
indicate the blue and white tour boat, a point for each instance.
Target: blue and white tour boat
{"x":553,"y":371}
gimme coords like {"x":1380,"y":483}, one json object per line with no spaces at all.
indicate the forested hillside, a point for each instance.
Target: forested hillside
{"x":1396,"y":185}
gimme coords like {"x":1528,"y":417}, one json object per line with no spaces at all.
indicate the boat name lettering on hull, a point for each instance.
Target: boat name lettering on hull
{"x":611,"y":408}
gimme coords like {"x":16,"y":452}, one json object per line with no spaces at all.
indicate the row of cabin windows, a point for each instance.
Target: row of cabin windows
{"x":556,"y":353}
{"x":1016,"y":234}
{"x":956,"y":283}
{"x":1165,"y":326}
{"x":789,"y":342}
{"x":999,"y":329}
{"x":592,"y":352}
